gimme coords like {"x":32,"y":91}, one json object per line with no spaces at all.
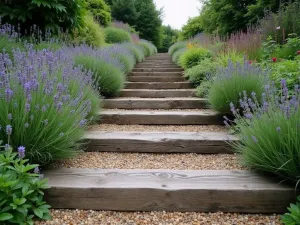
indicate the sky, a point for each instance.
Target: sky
{"x":177,"y":12}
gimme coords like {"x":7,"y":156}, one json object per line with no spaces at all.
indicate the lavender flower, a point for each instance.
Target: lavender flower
{"x":8,"y":129}
{"x":9,"y":116}
{"x":36,"y":170}
{"x":21,"y":152}
{"x":254,"y":139}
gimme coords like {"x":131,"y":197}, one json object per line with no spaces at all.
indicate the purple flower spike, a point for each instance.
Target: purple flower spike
{"x":6,"y":147}
{"x":36,"y":170}
{"x":278,"y":129}
{"x":8,"y":129}
{"x":21,"y":152}
{"x":9,"y":116}
{"x":254,"y":139}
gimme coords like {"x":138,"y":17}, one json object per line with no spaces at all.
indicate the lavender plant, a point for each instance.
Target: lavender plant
{"x":148,"y":48}
{"x":269,"y":131}
{"x":124,"y":55}
{"x":135,"y":50}
{"x":45,"y":103}
{"x":175,"y":47}
{"x":116,"y":35}
{"x":177,"y":54}
{"x":231,"y":81}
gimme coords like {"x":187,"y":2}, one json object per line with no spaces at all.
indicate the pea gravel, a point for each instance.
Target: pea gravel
{"x":80,"y":217}
{"x":108,"y":160}
{"x":163,"y":128}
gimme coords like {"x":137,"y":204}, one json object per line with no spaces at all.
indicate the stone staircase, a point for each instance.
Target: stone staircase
{"x":157,"y":94}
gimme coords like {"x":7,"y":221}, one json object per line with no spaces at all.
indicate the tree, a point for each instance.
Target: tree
{"x":46,"y":14}
{"x":193,"y":27}
{"x":142,"y":15}
{"x":169,"y":37}
{"x":99,"y":10}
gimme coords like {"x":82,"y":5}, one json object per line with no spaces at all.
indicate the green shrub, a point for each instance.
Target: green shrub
{"x":21,"y":191}
{"x":115,"y":35}
{"x":290,"y":49}
{"x":53,"y":46}
{"x":233,"y":80}
{"x":268,"y":130}
{"x":177,"y":46}
{"x":109,"y":79}
{"x":99,"y":10}
{"x":176,"y":56}
{"x":288,"y":70}
{"x":223,"y":58}
{"x":198,"y":73}
{"x":293,"y":217}
{"x":136,"y":50}
{"x":148,"y":48}
{"x":46,"y":112}
{"x":193,"y":57}
{"x":203,"y":88}
{"x":91,"y":33}
{"x":46,"y":14}
{"x":127,"y":60}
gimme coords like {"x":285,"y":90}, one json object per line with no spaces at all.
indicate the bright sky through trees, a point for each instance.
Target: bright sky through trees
{"x":177,"y":12}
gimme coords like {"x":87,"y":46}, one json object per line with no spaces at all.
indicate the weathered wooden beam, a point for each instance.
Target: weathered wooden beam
{"x":158,"y":93}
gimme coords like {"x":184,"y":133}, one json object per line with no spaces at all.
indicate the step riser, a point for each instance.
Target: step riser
{"x":155,"y":79}
{"x":157,"y":66}
{"x":138,"y":85}
{"x":158,"y":142}
{"x":166,"y":190}
{"x":158,"y":70}
{"x":162,"y":74}
{"x":157,"y":94}
{"x":135,"y":119}
{"x":155,"y":104}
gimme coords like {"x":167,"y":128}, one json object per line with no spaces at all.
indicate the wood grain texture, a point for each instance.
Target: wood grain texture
{"x":156,"y":93}
{"x":160,"y":142}
{"x":154,"y":78}
{"x":157,"y":70}
{"x":156,"y":103}
{"x":156,"y":65}
{"x":157,"y":190}
{"x":158,"y":85}
{"x":157,"y":74}
{"x":144,"y":117}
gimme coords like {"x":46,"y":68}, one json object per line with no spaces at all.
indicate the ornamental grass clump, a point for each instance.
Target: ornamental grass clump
{"x":269,"y":131}
{"x":231,"y":81}
{"x":115,"y":35}
{"x":176,"y":56}
{"x":192,"y":57}
{"x":136,"y":50}
{"x":45,"y":103}
{"x":148,"y":48}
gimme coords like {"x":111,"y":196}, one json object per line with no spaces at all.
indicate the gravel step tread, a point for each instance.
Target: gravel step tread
{"x":159,"y":142}
{"x":155,"y":79}
{"x":158,"y":85}
{"x":167,"y":190}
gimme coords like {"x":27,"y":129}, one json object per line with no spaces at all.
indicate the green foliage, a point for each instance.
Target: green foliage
{"x":127,"y":60}
{"x":46,"y":14}
{"x":8,"y":44}
{"x":177,"y":54}
{"x":206,"y":68}
{"x":53,"y":46}
{"x":203,"y":88}
{"x":288,"y":70}
{"x":269,"y":133}
{"x":91,"y":33}
{"x":169,"y":37}
{"x":136,"y":51}
{"x":109,"y":79}
{"x":148,"y":48}
{"x":21,"y":191}
{"x":99,"y":10}
{"x":177,"y":46}
{"x":194,"y":26}
{"x":231,"y":82}
{"x":293,"y":216}
{"x":290,"y":49}
{"x":194,"y":56}
{"x":223,"y":58}
{"x":115,"y":35}
{"x":142,"y":15}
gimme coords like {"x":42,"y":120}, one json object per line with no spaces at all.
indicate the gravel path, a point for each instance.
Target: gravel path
{"x":150,"y":128}
{"x":108,"y":160}
{"x":79,"y":217}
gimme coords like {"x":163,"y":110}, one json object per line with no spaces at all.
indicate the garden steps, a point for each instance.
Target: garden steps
{"x":158,"y":74}
{"x":160,"y":117}
{"x":167,"y":190}
{"x":158,"y":85}
{"x":157,"y":65}
{"x":156,"y":79}
{"x":160,"y":142}
{"x":155,"y":103}
{"x":158,"y":93}
{"x":158,"y":70}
